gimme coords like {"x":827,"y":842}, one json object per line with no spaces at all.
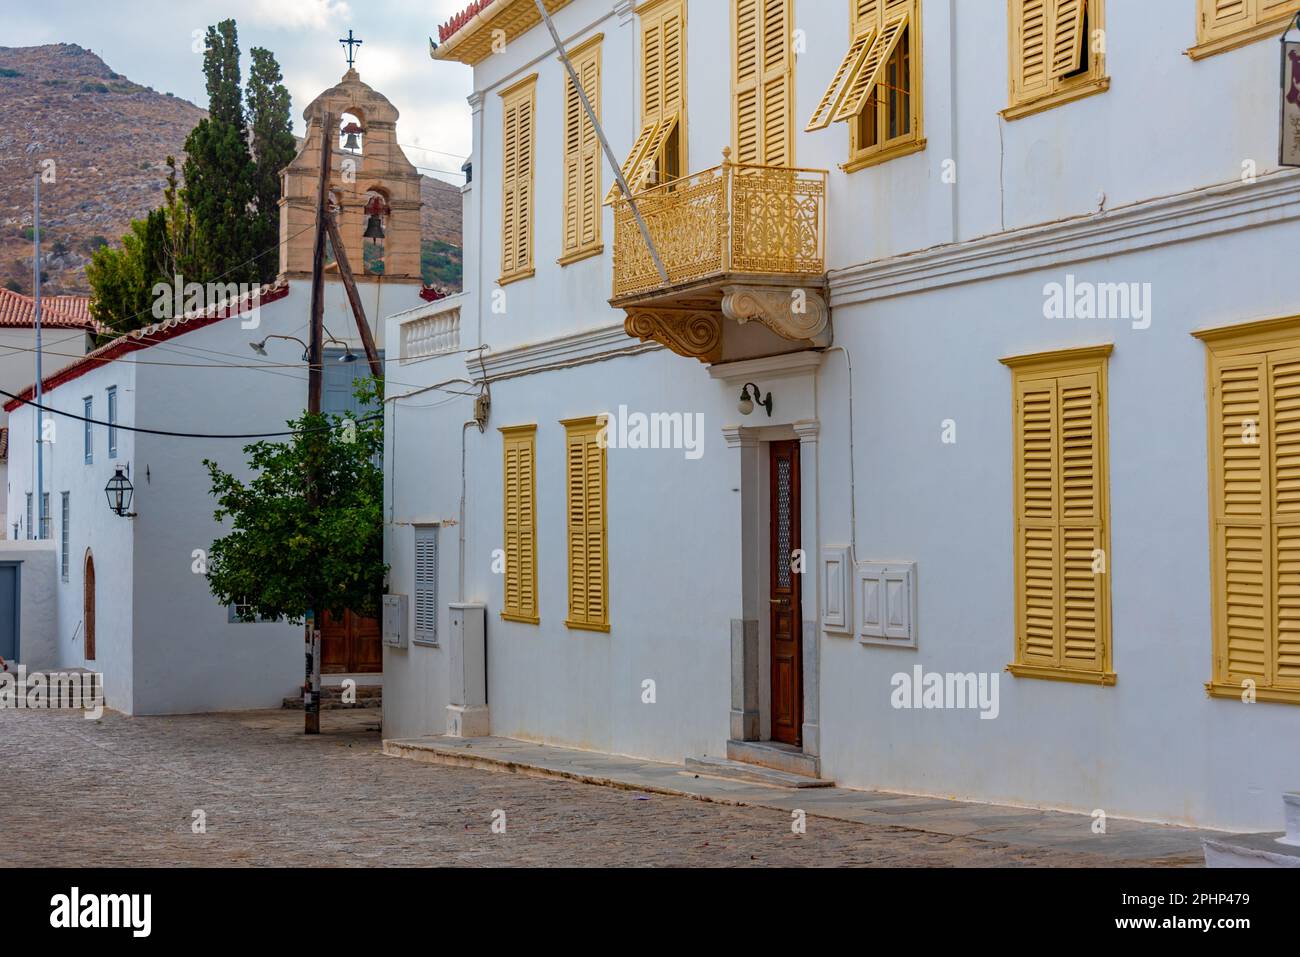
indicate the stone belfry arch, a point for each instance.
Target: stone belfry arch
{"x":379,"y":167}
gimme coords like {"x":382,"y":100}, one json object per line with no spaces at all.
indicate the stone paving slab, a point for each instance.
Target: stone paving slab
{"x":1126,"y":842}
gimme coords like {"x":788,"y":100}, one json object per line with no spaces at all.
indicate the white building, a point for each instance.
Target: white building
{"x":131,"y":598}
{"x":994,"y":453}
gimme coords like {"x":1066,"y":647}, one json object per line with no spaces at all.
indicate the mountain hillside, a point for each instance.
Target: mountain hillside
{"x":109,"y":138}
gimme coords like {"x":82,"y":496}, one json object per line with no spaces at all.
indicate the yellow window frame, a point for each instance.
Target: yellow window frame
{"x":586,"y":532}
{"x":518,"y":179}
{"x":1223,"y":25}
{"x":520,"y":601}
{"x":583,"y":163}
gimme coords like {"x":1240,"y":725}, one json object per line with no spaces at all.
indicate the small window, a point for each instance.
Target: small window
{"x":88,"y":405}
{"x":112,"y":422}
{"x":1057,"y":53}
{"x":30,"y":524}
{"x":45,"y":515}
{"x":65,"y":535}
{"x":426,"y":585}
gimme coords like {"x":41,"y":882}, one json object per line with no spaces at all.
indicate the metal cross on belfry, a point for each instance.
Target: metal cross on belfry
{"x":349,"y":42}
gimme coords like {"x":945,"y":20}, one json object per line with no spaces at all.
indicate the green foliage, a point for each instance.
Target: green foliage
{"x":274,"y":148}
{"x":29,"y":233}
{"x":285,"y":554}
{"x":13,"y":285}
{"x":6,"y":72}
{"x":440,"y":264}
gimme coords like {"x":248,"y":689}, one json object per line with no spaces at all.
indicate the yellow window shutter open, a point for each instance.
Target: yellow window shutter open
{"x":519,"y":495}
{"x":1061,"y":535}
{"x":835,"y":93}
{"x":588,"y":562}
{"x":1284,"y":417}
{"x":1067,"y":37}
{"x":663,"y":88}
{"x":642,"y":162}
{"x":861,"y":84}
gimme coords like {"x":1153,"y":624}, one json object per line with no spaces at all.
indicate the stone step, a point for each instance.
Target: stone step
{"x":331,"y":698}
{"x":753,"y":773}
{"x":778,"y":757}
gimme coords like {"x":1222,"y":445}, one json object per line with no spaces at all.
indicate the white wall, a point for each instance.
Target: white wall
{"x":38,"y":571}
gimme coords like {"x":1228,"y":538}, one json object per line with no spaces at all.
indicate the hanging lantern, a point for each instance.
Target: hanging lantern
{"x":119,"y":491}
{"x":1289,"y":141}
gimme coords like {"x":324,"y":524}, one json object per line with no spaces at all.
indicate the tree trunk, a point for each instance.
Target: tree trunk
{"x":311,"y":687}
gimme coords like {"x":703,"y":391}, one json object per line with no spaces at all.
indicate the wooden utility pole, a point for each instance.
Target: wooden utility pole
{"x":354,"y":297}
{"x":315,"y":616}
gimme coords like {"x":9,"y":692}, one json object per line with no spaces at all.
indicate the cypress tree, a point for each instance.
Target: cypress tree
{"x":274,"y":147}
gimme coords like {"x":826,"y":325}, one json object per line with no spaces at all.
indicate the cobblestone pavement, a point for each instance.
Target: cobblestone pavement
{"x":123,"y":791}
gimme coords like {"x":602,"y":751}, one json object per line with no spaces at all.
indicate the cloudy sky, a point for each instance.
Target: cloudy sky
{"x":151,"y":42}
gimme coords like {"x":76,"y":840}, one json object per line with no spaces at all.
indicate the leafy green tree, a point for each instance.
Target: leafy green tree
{"x":274,"y":147}
{"x":306,"y":531}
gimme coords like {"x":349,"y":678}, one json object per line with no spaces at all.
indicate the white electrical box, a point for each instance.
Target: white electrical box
{"x":886,"y":600}
{"x":467,"y":708}
{"x":394,"y":623}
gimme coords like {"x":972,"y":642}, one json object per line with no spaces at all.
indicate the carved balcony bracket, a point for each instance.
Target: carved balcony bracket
{"x":692,"y":334}
{"x":795,"y":313}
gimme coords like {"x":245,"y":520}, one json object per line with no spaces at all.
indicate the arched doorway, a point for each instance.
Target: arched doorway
{"x":88,"y":605}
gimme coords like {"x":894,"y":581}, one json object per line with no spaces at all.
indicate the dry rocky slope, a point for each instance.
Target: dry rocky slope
{"x":109,"y":138}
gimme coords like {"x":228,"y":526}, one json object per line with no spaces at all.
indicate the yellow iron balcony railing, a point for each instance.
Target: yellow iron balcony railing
{"x":732,"y":221}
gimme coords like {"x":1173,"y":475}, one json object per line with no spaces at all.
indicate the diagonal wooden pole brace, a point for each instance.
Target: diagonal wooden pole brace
{"x":354,"y":297}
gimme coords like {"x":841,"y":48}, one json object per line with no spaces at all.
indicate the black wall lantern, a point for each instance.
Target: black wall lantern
{"x":119,"y":491}
{"x":747,"y":403}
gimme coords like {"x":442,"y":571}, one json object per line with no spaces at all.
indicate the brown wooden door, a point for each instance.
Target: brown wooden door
{"x":88,"y":606}
{"x":350,"y":644}
{"x":786,"y":598}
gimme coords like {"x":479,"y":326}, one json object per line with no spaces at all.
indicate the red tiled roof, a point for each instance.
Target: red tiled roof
{"x":449,"y":29}
{"x":148,"y":336}
{"x":67,"y":312}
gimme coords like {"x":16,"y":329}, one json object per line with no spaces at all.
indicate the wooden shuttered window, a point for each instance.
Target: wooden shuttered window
{"x":1055,"y":57}
{"x":582,"y":161}
{"x":1062,"y":517}
{"x":763,"y":82}
{"x":585,"y":502}
{"x":1254,"y":443}
{"x":877,"y":87}
{"x":1227,"y":24}
{"x":519,"y":109}
{"x":658,"y":154}
{"x":426,"y":584}
{"x":520,"y":498}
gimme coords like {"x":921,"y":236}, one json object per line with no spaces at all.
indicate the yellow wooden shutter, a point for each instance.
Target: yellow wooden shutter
{"x":1038,"y":541}
{"x":517,"y":179}
{"x":1221,"y":17}
{"x":1032,"y":67}
{"x":582,"y":155}
{"x":519,"y":494}
{"x":747,"y":81}
{"x":763,"y":88}
{"x":835,"y":93}
{"x":588,"y":587}
{"x":1240,"y":495}
{"x":1284,"y":420}
{"x":1067,"y":37}
{"x":1061,"y":538}
{"x":872,"y":67}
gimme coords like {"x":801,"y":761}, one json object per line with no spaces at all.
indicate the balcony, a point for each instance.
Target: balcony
{"x":433,"y":331}
{"x":739,"y":242}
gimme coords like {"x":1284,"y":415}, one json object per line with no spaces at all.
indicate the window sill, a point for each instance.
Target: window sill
{"x":521,"y":619}
{"x":884,"y":156}
{"x":583,"y":626}
{"x":516,"y":277}
{"x":424,"y":643}
{"x":1049,"y":673}
{"x":1218,"y":689}
{"x":1261,"y":31}
{"x":1059,"y":98}
{"x":580,"y":254}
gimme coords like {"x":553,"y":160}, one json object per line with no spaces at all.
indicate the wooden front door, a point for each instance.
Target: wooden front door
{"x":88,"y":606}
{"x":350,"y":645}
{"x":786,"y":623}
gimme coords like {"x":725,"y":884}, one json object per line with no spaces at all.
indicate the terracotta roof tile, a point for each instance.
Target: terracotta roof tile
{"x":17,"y":310}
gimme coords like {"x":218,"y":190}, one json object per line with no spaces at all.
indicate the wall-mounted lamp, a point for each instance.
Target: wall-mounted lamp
{"x":119,"y":491}
{"x":747,"y":403}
